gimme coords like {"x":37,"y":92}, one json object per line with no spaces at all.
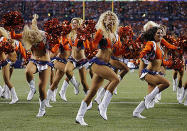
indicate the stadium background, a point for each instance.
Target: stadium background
{"x":134,"y":13}
{"x":166,"y":116}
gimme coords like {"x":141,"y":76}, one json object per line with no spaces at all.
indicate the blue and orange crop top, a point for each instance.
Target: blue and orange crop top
{"x":62,"y":45}
{"x":77,"y":43}
{"x":20,"y":48}
{"x":152,"y":51}
{"x":101,"y":42}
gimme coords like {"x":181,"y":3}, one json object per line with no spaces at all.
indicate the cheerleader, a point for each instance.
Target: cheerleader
{"x":18,"y":48}
{"x":181,"y":92}
{"x":59,"y":64}
{"x":76,"y":60}
{"x":164,"y":43}
{"x":117,"y":64}
{"x":178,"y":74}
{"x":29,"y":70}
{"x":150,"y":74}
{"x":105,"y":38}
{"x":35,"y":39}
{"x":7,"y":53}
{"x":178,"y":87}
{"x":53,"y":72}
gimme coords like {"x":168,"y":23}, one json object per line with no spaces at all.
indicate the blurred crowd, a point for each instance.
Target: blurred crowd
{"x":136,"y":14}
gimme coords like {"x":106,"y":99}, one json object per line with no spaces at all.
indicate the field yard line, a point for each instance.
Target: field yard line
{"x":142,"y":92}
{"x":122,"y":102}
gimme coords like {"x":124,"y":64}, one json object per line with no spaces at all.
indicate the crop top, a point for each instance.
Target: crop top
{"x":152,"y":51}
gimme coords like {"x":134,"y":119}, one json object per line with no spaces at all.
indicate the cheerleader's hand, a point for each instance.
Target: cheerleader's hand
{"x":34,"y":22}
{"x":35,"y":16}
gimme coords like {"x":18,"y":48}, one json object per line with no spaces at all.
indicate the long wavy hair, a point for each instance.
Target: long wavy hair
{"x":4,"y":33}
{"x":149,"y":25}
{"x":73,"y":34}
{"x":101,"y":25}
{"x":32,"y":35}
{"x":149,"y":35}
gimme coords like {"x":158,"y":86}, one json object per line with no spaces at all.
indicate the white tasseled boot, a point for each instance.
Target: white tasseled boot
{"x":138,"y":110}
{"x":81,"y":113}
{"x":32,"y":90}
{"x":14,"y":96}
{"x":158,"y":98}
{"x":181,"y":95}
{"x":53,"y":99}
{"x":104,"y":104}
{"x":180,"y":92}
{"x":100,"y":95}
{"x":150,"y":97}
{"x":75,"y":84}
{"x":6,"y":92}
{"x":62,"y":92}
{"x":49,"y":96}
{"x":175,"y":84}
{"x":41,"y":112}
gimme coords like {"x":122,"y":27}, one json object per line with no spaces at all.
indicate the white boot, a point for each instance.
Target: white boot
{"x":6,"y":92}
{"x":80,"y":115}
{"x":150,"y":97}
{"x":175,"y":84}
{"x":138,"y":110}
{"x":181,"y":96}
{"x":100,"y":95}
{"x":180,"y":93}
{"x":1,"y":91}
{"x":53,"y":99}
{"x":62,"y":92}
{"x":32,"y":90}
{"x":14,"y":96}
{"x":152,"y":104}
{"x":185,"y":96}
{"x":49,"y":96}
{"x":75,"y":84}
{"x":90,"y":106}
{"x":104,"y":104}
{"x":41,"y":112}
{"x":158,"y":98}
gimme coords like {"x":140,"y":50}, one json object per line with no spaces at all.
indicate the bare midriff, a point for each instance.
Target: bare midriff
{"x":64,"y":54}
{"x":104,"y":54}
{"x":77,"y":53}
{"x":40,"y":55}
{"x":155,"y":65}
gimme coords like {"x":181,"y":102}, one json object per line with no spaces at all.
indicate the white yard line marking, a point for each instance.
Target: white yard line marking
{"x":121,"y":102}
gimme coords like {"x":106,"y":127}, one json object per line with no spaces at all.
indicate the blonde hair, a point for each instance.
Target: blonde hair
{"x":73,"y":34}
{"x":149,"y":25}
{"x":4,"y":32}
{"x":100,"y":24}
{"x":32,"y":35}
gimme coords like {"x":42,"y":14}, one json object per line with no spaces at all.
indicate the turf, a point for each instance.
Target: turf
{"x":166,"y":116}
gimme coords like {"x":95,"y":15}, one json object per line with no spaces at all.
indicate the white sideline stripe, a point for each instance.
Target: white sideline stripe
{"x":122,"y":102}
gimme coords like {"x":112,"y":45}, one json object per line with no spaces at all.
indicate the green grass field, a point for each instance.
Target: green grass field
{"x":166,"y":116}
